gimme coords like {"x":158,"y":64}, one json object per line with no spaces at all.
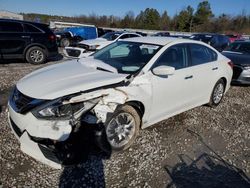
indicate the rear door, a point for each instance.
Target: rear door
{"x":204,"y":68}
{"x":12,"y":39}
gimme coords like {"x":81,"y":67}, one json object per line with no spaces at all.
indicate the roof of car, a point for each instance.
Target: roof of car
{"x":22,"y":21}
{"x":158,"y":40}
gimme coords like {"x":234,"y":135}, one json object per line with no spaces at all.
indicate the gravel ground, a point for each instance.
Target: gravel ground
{"x":203,"y":147}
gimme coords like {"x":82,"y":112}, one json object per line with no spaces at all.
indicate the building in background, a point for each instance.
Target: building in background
{"x":10,"y":15}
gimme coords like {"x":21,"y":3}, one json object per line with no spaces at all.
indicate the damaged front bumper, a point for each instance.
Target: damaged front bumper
{"x":24,"y":126}
{"x":52,"y":141}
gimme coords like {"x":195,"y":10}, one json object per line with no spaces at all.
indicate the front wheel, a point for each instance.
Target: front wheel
{"x":217,"y":94}
{"x":122,"y":128}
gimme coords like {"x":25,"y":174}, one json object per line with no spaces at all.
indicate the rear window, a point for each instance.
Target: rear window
{"x":239,"y":47}
{"x":201,"y":54}
{"x":11,"y":27}
{"x":31,"y":29}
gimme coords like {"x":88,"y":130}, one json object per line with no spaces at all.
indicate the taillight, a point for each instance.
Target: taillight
{"x":230,"y":63}
{"x":52,"y":37}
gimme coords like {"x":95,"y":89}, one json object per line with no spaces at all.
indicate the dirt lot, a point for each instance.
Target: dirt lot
{"x":203,"y":147}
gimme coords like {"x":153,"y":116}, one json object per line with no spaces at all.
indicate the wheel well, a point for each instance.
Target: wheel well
{"x":33,"y":45}
{"x":224,"y":80}
{"x":138,"y":106}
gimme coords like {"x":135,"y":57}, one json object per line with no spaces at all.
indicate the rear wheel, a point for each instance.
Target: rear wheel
{"x":217,"y":94}
{"x":122,"y":128}
{"x":64,"y":42}
{"x":35,"y":55}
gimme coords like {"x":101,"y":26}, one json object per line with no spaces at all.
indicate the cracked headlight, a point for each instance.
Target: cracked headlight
{"x":62,"y":110}
{"x":93,"y":47}
{"x":246,"y":66}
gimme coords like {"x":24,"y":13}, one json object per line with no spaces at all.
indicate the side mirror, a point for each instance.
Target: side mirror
{"x":163,"y":70}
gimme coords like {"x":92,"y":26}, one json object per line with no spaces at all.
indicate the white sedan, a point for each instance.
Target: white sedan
{"x":124,"y":87}
{"x":86,"y":48}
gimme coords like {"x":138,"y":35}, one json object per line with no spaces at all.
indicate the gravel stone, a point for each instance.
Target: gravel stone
{"x":193,"y":147}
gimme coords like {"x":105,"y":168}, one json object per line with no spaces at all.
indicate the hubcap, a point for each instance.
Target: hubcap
{"x":218,"y":93}
{"x":120,"y":129}
{"x":36,"y":56}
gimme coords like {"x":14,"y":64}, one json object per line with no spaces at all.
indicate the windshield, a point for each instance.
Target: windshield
{"x":243,"y":47}
{"x":127,"y":57}
{"x":111,"y":36}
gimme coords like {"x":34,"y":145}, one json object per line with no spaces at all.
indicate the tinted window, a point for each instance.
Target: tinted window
{"x":31,"y":29}
{"x":175,"y":56}
{"x":133,"y":35}
{"x":124,"y":36}
{"x":201,"y":54}
{"x":11,"y":27}
{"x":239,"y":47}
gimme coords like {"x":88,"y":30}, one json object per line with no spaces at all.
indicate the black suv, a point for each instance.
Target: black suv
{"x":219,"y":42}
{"x":34,"y":42}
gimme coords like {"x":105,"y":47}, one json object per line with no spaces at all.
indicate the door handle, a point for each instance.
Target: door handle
{"x":189,"y":77}
{"x":26,"y":37}
{"x":215,"y":68}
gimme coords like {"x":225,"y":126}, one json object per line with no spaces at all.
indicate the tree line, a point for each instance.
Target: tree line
{"x":188,"y":19}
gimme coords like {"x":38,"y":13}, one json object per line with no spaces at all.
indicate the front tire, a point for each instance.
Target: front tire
{"x":217,"y":94}
{"x":122,"y":128}
{"x":36,"y":55}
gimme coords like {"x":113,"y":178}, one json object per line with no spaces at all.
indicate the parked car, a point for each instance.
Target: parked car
{"x":87,"y":47}
{"x":239,"y":53}
{"x":233,"y":38}
{"x":72,"y":35}
{"x":161,"y":34}
{"x":33,"y":42}
{"x":128,"y":85}
{"x":219,"y":42}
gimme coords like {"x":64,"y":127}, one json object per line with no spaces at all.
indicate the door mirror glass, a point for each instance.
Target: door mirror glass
{"x":163,"y":70}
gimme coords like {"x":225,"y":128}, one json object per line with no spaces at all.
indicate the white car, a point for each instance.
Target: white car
{"x":87,"y":47}
{"x":124,"y":87}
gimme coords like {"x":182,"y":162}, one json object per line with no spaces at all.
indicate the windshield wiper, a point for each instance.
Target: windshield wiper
{"x":102,"y":69}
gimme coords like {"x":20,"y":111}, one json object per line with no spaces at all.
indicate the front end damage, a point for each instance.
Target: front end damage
{"x":56,"y":140}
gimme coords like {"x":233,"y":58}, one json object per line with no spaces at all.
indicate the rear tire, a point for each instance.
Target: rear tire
{"x":64,"y":42}
{"x":217,"y":94}
{"x":36,"y":55}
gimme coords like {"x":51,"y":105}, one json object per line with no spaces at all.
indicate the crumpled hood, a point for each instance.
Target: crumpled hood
{"x":66,"y":78}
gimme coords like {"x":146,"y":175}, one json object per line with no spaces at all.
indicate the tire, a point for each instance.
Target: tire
{"x":64,"y":42}
{"x":36,"y":55}
{"x":119,"y":137}
{"x":217,"y":93}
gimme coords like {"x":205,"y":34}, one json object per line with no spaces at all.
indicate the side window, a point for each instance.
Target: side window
{"x":245,"y":47}
{"x":11,"y":27}
{"x":201,"y":54}
{"x":175,"y":56}
{"x":133,"y":35}
{"x":31,"y":29}
{"x":124,"y":36}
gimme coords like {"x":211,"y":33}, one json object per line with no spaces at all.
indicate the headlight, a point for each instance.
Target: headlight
{"x":246,"y":66}
{"x":58,"y":109}
{"x":93,"y":47}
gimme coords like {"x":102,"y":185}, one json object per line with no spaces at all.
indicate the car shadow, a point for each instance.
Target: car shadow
{"x":208,"y":170}
{"x":22,"y":61}
{"x":4,"y":95}
{"x":87,"y":169}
